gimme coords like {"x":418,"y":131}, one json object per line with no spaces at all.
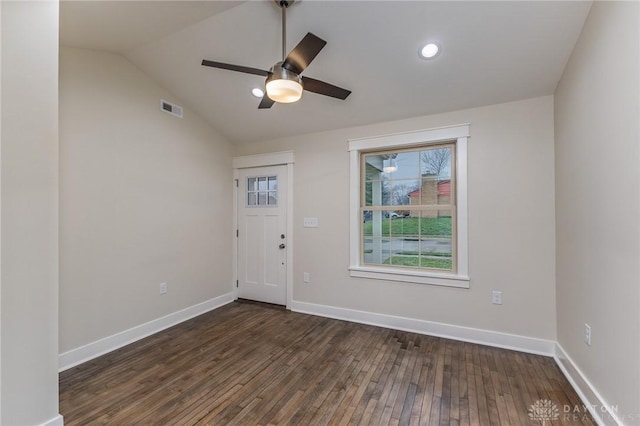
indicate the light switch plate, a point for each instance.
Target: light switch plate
{"x":310,"y":222}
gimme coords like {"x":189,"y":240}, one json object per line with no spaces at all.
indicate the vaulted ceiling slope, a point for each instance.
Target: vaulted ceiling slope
{"x":492,"y":52}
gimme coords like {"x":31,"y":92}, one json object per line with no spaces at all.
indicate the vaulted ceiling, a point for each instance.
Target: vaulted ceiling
{"x":492,"y":52}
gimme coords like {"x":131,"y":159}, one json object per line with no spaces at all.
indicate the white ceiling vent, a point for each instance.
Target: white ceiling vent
{"x":172,"y":109}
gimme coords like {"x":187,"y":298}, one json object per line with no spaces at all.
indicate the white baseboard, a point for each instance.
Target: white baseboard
{"x":602,"y":412}
{"x":56,"y":421}
{"x":465,"y":334}
{"x":593,"y":402}
{"x":92,"y":350}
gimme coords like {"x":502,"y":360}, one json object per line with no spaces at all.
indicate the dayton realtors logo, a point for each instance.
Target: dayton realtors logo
{"x":544,"y":410}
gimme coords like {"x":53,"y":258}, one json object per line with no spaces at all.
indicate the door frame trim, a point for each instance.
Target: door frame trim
{"x":285,"y":158}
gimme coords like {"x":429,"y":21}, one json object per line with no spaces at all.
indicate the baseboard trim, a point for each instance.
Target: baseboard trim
{"x":93,"y":350}
{"x":56,"y":421}
{"x":465,"y":334}
{"x":601,"y":412}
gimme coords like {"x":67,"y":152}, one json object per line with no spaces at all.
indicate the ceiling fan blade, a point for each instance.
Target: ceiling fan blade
{"x":302,"y":55}
{"x":238,"y":68}
{"x":322,"y":88}
{"x":266,"y":102}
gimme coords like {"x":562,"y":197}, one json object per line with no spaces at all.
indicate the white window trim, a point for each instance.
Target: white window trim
{"x":460,"y":134}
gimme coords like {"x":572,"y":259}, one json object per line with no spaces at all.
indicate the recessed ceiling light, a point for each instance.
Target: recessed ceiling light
{"x":430,"y":50}
{"x":258,"y":93}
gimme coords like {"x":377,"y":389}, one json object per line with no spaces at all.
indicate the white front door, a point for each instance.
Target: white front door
{"x":262,"y":239}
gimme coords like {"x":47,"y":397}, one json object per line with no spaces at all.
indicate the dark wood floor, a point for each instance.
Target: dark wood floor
{"x":253,"y":364}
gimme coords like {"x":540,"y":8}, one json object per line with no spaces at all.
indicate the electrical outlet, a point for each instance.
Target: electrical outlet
{"x":163,"y":288}
{"x":305,"y":277}
{"x":587,"y":334}
{"x":496,"y":297}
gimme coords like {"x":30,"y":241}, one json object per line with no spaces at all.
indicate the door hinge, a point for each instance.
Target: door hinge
{"x":237,"y":233}
{"x":237,"y":185}
{"x":237,"y":285}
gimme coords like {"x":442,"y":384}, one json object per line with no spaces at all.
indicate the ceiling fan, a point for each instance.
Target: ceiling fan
{"x":284,"y":84}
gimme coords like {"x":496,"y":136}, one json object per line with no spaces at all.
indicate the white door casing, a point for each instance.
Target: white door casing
{"x":262,"y":234}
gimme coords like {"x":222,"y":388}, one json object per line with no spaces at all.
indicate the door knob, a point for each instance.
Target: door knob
{"x":282,"y":246}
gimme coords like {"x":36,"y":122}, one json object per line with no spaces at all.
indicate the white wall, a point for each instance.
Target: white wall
{"x":145,"y":198}
{"x":511,"y":222}
{"x":597,"y":114}
{"x":29,"y":225}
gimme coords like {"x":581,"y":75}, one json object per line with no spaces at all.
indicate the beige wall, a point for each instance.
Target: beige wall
{"x":511,"y":222}
{"x":29,"y":225}
{"x":597,"y":115}
{"x":145,"y":198}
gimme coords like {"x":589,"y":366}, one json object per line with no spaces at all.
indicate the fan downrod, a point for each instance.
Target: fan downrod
{"x":284,"y":5}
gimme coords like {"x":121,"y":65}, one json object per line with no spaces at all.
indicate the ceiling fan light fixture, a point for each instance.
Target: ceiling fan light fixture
{"x":283,"y":86}
{"x":284,"y":91}
{"x":283,"y":82}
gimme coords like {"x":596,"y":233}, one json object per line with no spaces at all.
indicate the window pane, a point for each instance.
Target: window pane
{"x":445,"y":195}
{"x":405,"y":252}
{"x":372,"y":223}
{"x":428,"y":190}
{"x":385,"y":253}
{"x":436,"y":162}
{"x":273,"y":183}
{"x":367,"y":216}
{"x":252,"y":185}
{"x":436,"y":243}
{"x":373,"y":166}
{"x":405,"y":228}
{"x":376,"y":251}
{"x":401,"y":191}
{"x":407,"y":165}
{"x":368,"y":193}
{"x":377,"y":193}
{"x":262,"y":198}
{"x":369,"y":244}
{"x":251,"y":200}
{"x":262,"y":183}
{"x":435,"y":223}
{"x":385,"y":194}
{"x":405,"y":241}
{"x":273,"y":198}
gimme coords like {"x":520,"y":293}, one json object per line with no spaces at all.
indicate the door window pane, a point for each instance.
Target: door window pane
{"x":262,"y":191}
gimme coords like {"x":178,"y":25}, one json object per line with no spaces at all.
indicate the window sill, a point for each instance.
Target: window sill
{"x":432,"y":278}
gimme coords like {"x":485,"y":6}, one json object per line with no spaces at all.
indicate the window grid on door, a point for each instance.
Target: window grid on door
{"x":262,"y":191}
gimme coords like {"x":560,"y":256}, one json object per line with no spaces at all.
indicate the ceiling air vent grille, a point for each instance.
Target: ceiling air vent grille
{"x":172,"y":109}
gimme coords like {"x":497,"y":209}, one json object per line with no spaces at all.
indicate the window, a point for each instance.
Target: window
{"x":262,"y":191}
{"x":408,"y":207}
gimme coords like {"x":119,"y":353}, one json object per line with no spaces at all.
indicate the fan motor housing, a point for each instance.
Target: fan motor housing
{"x":289,"y":84}
{"x":278,"y":72}
{"x":284,"y":3}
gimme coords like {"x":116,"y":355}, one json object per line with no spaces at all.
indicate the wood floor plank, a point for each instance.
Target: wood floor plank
{"x":359,"y":387}
{"x":249,"y":364}
{"x":373,"y":376}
